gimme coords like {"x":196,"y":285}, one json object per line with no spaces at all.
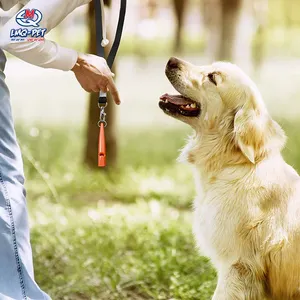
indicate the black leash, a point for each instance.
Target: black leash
{"x":102,"y":102}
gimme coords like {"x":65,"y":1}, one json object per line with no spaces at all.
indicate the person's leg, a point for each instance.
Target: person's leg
{"x":16,"y":267}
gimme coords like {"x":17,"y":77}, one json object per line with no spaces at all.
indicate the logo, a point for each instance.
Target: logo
{"x":28,"y":18}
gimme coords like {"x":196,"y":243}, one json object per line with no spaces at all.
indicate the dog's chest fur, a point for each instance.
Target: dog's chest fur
{"x":217,"y":219}
{"x":232,"y":220}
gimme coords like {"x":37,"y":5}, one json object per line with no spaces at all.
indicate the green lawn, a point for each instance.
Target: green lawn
{"x":121,"y":235}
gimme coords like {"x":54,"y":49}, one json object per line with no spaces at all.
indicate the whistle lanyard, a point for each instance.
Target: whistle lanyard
{"x":101,"y":42}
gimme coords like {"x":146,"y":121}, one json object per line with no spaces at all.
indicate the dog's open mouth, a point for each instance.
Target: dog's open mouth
{"x":178,"y":104}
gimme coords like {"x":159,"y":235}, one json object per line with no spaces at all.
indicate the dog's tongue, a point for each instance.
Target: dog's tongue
{"x":176,"y":99}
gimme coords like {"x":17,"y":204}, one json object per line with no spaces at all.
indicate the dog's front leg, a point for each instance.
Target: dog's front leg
{"x":238,"y":283}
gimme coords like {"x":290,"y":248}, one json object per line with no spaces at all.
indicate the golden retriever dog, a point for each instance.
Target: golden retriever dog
{"x":247,"y":209}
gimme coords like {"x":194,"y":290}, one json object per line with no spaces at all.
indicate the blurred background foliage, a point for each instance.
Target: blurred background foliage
{"x":125,"y":233}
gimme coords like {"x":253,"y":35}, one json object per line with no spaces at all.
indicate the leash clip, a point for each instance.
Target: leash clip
{"x":102,"y":116}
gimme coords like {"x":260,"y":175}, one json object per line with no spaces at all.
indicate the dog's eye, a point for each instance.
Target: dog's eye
{"x":211,"y":77}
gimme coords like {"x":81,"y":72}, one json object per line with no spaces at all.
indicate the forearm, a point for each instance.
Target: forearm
{"x":46,"y":54}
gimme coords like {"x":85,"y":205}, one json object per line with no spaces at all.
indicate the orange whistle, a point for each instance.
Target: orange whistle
{"x":101,"y":148}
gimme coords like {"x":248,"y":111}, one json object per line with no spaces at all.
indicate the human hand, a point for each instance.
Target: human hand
{"x":94,"y":75}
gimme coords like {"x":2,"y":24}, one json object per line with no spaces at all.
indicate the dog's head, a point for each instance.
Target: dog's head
{"x":225,"y":108}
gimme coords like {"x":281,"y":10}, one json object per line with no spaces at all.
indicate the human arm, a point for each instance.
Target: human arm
{"x":91,"y":71}
{"x":46,"y":53}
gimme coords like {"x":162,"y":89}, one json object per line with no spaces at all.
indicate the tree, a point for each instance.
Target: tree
{"x":221,"y":19}
{"x":229,"y":24}
{"x":179,"y":8}
{"x":91,"y":154}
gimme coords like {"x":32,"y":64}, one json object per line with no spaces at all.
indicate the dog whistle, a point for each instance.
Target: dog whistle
{"x":101,"y":147}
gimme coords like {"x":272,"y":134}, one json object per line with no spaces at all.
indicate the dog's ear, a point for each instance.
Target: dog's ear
{"x":249,"y":130}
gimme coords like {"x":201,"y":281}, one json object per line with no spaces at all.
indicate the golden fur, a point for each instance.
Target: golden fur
{"x":247,"y":209}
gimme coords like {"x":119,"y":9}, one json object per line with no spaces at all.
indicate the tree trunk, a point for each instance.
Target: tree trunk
{"x":179,"y":7}
{"x":231,"y":10}
{"x":232,"y":25}
{"x":212,"y":18}
{"x":221,"y":18}
{"x":91,"y":150}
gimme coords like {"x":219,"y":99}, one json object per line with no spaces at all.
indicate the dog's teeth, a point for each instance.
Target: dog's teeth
{"x":166,"y":101}
{"x":193,"y":105}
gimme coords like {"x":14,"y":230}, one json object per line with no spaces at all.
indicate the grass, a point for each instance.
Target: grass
{"x":120,"y":235}
{"x":145,"y":172}
{"x":117,"y":251}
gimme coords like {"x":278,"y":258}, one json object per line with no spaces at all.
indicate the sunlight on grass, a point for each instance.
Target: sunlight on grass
{"x":137,"y":251}
{"x":156,"y":184}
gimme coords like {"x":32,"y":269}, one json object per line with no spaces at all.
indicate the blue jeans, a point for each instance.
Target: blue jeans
{"x":16,"y":266}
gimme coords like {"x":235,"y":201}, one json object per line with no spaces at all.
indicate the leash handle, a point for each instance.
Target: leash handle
{"x":99,"y":36}
{"x":115,"y":47}
{"x":99,"y":31}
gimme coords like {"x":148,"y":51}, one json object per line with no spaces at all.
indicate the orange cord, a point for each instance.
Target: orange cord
{"x":101,"y":147}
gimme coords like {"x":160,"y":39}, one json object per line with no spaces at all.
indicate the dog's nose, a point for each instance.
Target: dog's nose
{"x":173,"y":63}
